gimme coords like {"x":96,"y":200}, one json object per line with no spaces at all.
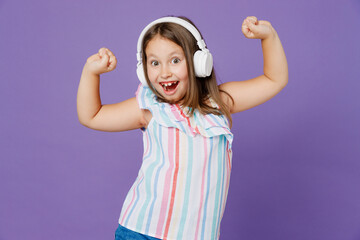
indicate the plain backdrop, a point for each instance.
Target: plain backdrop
{"x":296,"y":169}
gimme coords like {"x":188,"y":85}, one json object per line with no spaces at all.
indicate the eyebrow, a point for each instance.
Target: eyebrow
{"x":172,"y":53}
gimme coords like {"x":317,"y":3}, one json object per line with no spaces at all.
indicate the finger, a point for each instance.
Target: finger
{"x":102,"y":50}
{"x":250,"y":30}
{"x":246,"y":23}
{"x":245,"y":29}
{"x":251,"y":25}
{"x":252,"y":19}
{"x":104,"y":60}
{"x":112,"y":63}
{"x":109,"y":52}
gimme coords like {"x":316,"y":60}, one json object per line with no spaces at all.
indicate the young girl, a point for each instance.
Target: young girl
{"x":185,"y":117}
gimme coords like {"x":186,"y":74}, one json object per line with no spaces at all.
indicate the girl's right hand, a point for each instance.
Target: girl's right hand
{"x":101,"y":62}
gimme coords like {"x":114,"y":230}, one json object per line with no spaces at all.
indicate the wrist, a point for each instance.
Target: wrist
{"x":271,"y":35}
{"x":87,"y":70}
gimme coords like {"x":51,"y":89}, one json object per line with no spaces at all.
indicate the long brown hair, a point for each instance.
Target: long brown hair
{"x":199,"y":89}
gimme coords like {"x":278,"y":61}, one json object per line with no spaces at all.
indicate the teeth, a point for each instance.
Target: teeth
{"x":168,"y":84}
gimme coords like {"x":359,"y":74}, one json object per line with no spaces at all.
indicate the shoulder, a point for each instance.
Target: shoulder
{"x":148,"y":104}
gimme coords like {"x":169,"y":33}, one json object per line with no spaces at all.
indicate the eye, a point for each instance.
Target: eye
{"x":154,"y":63}
{"x":175,"y":60}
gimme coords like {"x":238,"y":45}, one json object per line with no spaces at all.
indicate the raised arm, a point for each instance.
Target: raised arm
{"x":121,"y":116}
{"x":253,"y":92}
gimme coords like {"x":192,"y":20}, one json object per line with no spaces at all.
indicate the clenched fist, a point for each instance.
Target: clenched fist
{"x":101,"y":62}
{"x":252,"y":28}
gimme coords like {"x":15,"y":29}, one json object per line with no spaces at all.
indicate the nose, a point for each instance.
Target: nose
{"x":165,"y":72}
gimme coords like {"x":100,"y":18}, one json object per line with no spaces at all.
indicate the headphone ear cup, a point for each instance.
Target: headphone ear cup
{"x":141,"y":74}
{"x":203,"y":63}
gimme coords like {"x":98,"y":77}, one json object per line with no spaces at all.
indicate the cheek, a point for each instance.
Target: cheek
{"x":183,"y":73}
{"x":151,"y":74}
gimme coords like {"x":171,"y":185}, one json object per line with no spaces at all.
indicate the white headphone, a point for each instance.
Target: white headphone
{"x":203,"y":60}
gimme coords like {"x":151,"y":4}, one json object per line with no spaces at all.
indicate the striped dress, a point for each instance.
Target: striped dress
{"x":181,"y":189}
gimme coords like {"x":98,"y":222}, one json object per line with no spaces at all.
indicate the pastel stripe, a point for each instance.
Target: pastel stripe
{"x":180,"y":187}
{"x":159,"y":155}
{"x":227,"y":178}
{"x":187,"y":119}
{"x":202,"y":189}
{"x":174,"y":184}
{"x":187,"y":188}
{"x":148,"y":183}
{"x":135,"y":202}
{"x":207,"y":191}
{"x":223,"y":175}
{"x":166,"y":190}
{"x":131,"y":201}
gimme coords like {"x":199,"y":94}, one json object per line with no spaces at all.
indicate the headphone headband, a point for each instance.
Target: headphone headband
{"x":181,"y":22}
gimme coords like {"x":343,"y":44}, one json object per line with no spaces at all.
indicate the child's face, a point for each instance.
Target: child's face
{"x":167,"y":68}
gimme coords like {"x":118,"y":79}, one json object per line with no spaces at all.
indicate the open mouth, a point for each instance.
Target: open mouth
{"x":169,"y":86}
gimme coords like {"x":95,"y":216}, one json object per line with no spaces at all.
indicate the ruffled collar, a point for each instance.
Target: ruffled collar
{"x":175,"y":115}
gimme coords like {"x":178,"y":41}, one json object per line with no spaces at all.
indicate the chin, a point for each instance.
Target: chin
{"x":172,"y":100}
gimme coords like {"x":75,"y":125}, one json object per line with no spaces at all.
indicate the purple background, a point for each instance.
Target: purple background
{"x":296,"y":170}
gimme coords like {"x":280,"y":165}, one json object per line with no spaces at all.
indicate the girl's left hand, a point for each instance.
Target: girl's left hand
{"x":254,"y":29}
